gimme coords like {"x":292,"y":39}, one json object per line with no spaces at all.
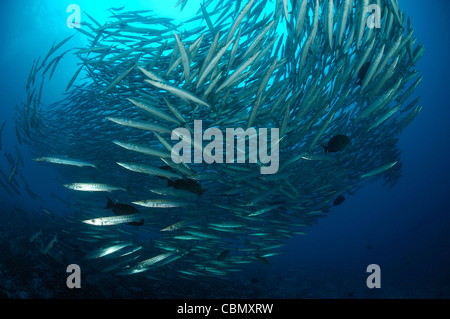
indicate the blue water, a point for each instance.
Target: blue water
{"x":405,"y":229}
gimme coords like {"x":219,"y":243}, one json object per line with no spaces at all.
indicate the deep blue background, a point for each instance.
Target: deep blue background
{"x":405,"y":229}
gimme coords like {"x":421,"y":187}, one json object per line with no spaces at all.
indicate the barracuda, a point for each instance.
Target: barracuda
{"x":65,"y":161}
{"x":321,"y":72}
{"x":93,"y":187}
{"x":113,"y":220}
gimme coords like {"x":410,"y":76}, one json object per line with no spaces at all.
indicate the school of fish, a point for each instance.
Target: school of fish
{"x":338,"y":91}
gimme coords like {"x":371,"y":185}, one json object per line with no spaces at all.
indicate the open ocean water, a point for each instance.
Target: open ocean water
{"x":405,"y":229}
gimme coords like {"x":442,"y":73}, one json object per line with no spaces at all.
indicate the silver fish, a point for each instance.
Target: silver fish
{"x":93,"y":187}
{"x":65,"y":161}
{"x":113,"y":220}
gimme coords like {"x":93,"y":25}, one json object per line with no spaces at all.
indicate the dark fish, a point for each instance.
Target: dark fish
{"x":139,"y":223}
{"x":187,"y":185}
{"x":123,"y":209}
{"x":223,"y":255}
{"x":363,"y":71}
{"x":339,"y":200}
{"x":184,"y":184}
{"x":167,"y":168}
{"x":336,"y":144}
{"x":264,"y":260}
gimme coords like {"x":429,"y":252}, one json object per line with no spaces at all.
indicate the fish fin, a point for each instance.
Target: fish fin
{"x":325,"y":148}
{"x":110,"y":204}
